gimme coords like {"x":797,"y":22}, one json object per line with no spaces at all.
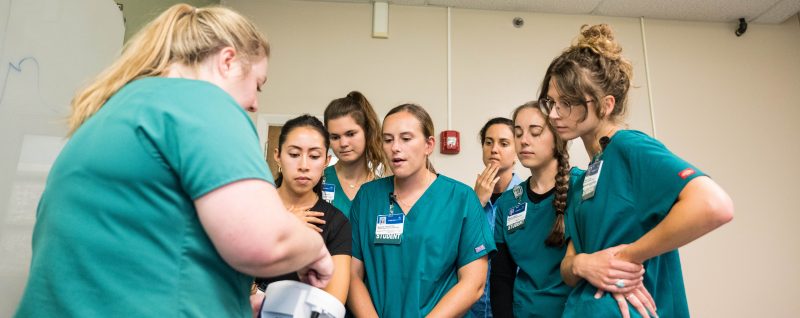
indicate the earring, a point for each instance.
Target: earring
{"x":279,"y":169}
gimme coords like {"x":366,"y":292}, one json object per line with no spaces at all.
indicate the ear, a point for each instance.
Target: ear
{"x":430,"y":144}
{"x":277,"y":156}
{"x":225,"y":61}
{"x":608,"y":105}
{"x":327,"y":159}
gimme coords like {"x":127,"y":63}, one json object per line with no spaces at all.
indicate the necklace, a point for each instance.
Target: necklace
{"x":404,"y":203}
{"x":354,"y":185}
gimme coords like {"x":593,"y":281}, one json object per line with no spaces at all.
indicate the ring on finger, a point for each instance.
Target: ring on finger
{"x":620,"y":283}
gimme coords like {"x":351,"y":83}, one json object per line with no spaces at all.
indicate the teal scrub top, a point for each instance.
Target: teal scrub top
{"x":117,"y":233}
{"x":539,"y":290}
{"x":443,"y":231}
{"x":340,"y":199}
{"x":639,"y":182}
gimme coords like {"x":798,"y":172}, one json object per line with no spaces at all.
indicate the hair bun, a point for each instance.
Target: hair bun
{"x":600,"y":39}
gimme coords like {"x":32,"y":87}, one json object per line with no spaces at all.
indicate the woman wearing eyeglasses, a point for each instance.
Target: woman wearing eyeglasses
{"x":637,"y":203}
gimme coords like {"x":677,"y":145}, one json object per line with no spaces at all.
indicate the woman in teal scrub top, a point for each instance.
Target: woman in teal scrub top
{"x":160,"y":204}
{"x":355,"y":140}
{"x":420,"y":240}
{"x":637,"y":202}
{"x":529,"y":229}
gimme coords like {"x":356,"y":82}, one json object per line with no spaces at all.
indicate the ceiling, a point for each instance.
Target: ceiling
{"x":756,"y":11}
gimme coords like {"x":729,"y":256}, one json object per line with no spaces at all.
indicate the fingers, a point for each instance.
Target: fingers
{"x":615,"y":275}
{"x":617,"y":289}
{"x":640,"y":308}
{"x":314,"y":227}
{"x":314,"y":280}
{"x":620,"y":282}
{"x":644,"y":294}
{"x":495,"y":167}
{"x":620,"y":265}
{"x":314,"y":220}
{"x":482,"y":176}
{"x":623,"y":305}
{"x":598,"y":294}
{"x":496,"y":179}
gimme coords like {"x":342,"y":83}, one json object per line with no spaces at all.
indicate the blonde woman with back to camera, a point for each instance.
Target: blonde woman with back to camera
{"x":160,"y":204}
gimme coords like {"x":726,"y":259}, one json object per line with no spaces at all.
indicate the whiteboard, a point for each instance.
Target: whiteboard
{"x":48,"y":49}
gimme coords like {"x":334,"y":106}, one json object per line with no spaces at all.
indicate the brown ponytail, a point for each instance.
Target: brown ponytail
{"x":358,"y":107}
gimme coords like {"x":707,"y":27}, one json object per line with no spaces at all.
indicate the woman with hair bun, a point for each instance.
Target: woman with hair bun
{"x":637,"y":202}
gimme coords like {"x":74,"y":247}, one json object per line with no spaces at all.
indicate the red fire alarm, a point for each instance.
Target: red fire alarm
{"x":449,"y":141}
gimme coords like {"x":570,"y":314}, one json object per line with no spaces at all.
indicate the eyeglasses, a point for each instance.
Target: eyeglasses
{"x":563,"y":108}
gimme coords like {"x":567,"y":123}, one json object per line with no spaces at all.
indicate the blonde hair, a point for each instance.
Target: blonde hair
{"x":181,"y":34}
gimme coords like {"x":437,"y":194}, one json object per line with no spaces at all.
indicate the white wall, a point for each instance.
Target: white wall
{"x":732,"y":106}
{"x":48,"y":49}
{"x":728,"y":104}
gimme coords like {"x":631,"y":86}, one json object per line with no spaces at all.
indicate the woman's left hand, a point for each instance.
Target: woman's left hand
{"x":639,"y":298}
{"x":605,"y":271}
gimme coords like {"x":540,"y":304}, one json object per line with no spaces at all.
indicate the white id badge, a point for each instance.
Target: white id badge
{"x":590,"y":182}
{"x":516,"y":217}
{"x":328,"y":192}
{"x":389,"y":228}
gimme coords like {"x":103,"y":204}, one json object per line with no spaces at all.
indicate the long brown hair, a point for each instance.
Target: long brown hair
{"x":358,"y":107}
{"x":556,"y":236}
{"x":181,"y":34}
{"x":593,"y":66}
{"x":425,"y":122}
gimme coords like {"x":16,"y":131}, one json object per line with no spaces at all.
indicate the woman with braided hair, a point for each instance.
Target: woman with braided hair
{"x":529,"y":224}
{"x":636,"y":204}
